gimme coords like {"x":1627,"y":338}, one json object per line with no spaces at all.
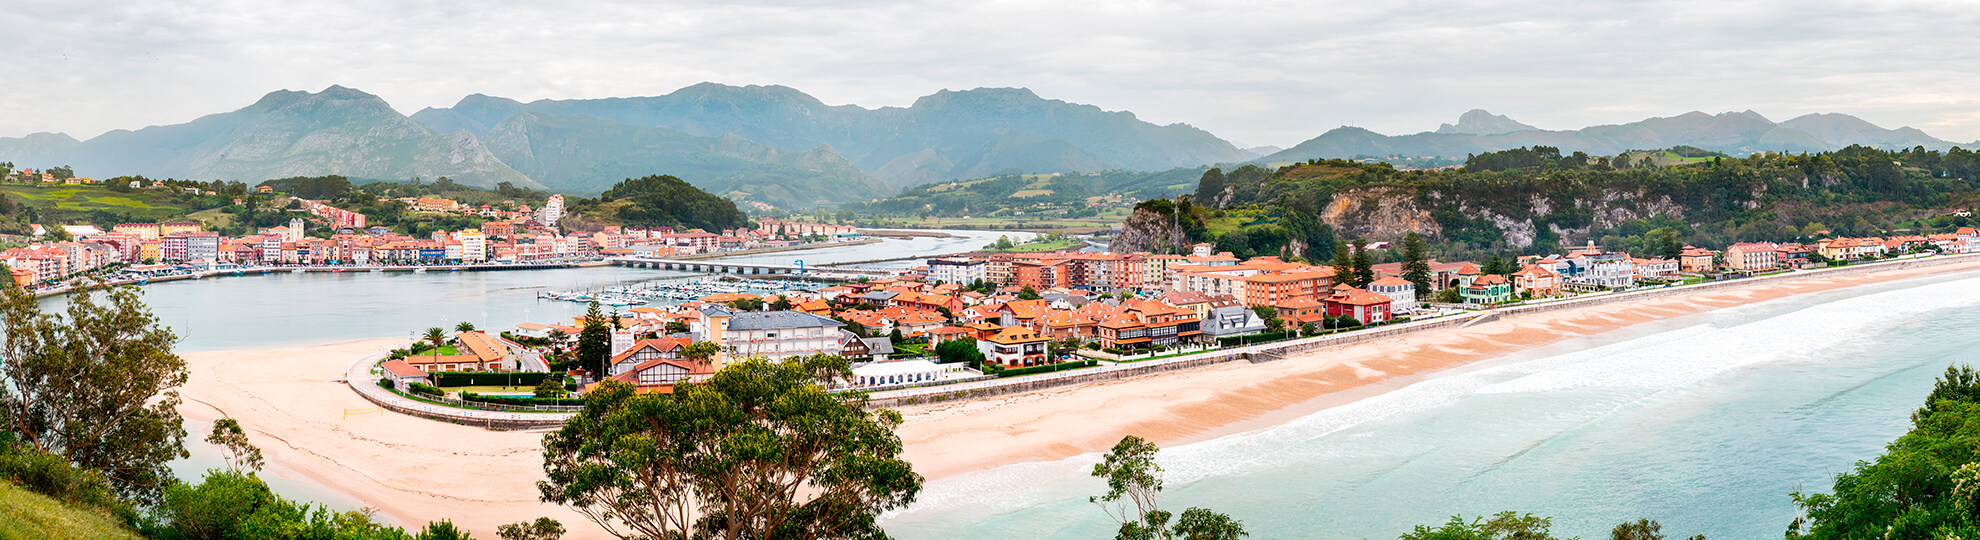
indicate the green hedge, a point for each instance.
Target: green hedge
{"x":1048,"y":368}
{"x":422,"y":388}
{"x":1253,"y":338}
{"x":523,"y":401}
{"x":490,"y":378}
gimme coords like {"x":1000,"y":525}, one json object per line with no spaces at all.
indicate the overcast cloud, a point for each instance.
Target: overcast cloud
{"x":1252,"y":72}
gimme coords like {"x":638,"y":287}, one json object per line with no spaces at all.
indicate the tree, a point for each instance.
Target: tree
{"x":1209,"y":187}
{"x":1343,"y":265}
{"x":550,"y":387}
{"x":1415,"y":265}
{"x":241,"y":455}
{"x":676,"y":327}
{"x":747,"y":304}
{"x":1271,"y":317}
{"x":443,"y":530}
{"x":1133,"y":481}
{"x":760,"y":450}
{"x":1364,"y":267}
{"x":1669,"y":244}
{"x":1925,"y":485}
{"x":960,"y":350}
{"x":783,"y":303}
{"x":1504,"y":526}
{"x":97,"y":385}
{"x":464,"y":327}
{"x":701,"y":351}
{"x":1642,"y":529}
{"x":594,"y":342}
{"x":542,"y":529}
{"x":437,"y":337}
{"x":1027,"y":293}
{"x":895,"y":336}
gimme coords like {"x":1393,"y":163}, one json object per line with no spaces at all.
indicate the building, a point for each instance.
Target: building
{"x":772,"y":334}
{"x":552,"y":211}
{"x":1487,"y":289}
{"x":1014,"y":347}
{"x":1366,"y":306}
{"x":402,"y":374}
{"x":1147,"y":323}
{"x":906,"y":372}
{"x":474,"y":246}
{"x":1695,"y":260}
{"x":1538,"y":280}
{"x":1400,"y":292}
{"x":1752,"y":257}
{"x":955,"y":270}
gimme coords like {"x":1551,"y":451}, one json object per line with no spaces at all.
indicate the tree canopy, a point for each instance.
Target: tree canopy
{"x":760,"y":450}
{"x":666,"y":201}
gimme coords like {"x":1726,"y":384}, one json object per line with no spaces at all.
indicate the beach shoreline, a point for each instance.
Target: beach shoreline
{"x":416,"y":470}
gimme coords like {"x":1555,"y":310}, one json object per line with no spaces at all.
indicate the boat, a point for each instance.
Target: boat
{"x":419,"y":270}
{"x":296,"y":271}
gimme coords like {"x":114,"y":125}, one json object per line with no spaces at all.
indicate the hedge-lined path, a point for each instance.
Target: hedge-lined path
{"x":363,"y":378}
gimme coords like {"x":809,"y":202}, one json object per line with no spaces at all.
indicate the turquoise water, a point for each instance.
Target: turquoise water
{"x":1704,"y":423}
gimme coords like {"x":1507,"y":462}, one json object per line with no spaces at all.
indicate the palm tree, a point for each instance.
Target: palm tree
{"x":437,"y":337}
{"x":464,"y":327}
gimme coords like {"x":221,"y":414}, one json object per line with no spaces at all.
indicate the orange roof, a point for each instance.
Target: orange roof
{"x":1363,"y":297}
{"x":1016,"y":334}
{"x":1390,"y":281}
{"x":1027,"y":309}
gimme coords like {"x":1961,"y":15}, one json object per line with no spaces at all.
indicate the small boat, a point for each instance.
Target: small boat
{"x":296,"y":271}
{"x":419,"y":270}
{"x":453,"y":269}
{"x":377,"y":270}
{"x":339,"y":270}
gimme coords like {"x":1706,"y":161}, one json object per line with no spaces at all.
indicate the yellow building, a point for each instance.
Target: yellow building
{"x":151,"y":250}
{"x":474,"y":245}
{"x":144,"y":231}
{"x":178,"y":227}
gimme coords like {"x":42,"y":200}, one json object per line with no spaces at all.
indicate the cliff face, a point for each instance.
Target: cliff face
{"x":1378,"y":213}
{"x":1151,"y":231}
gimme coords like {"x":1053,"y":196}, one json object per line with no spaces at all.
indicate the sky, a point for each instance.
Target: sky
{"x":1254,"y":73}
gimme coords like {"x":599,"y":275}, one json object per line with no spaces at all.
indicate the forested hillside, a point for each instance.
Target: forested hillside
{"x":658,"y":201}
{"x":1535,"y":200}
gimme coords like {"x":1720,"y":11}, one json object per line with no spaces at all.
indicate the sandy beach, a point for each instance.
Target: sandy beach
{"x":415,"y":470}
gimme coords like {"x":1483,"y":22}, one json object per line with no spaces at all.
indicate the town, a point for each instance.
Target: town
{"x":986,"y":316}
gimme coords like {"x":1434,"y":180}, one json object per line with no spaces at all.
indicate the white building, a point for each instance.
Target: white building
{"x":552,"y":211}
{"x":773,"y":334}
{"x":901,"y":373}
{"x":474,"y":246}
{"x":1612,"y":270}
{"x":1400,"y":292}
{"x":955,"y":270}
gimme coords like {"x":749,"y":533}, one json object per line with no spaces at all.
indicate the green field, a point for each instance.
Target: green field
{"x":26,"y":515}
{"x":1041,"y":247}
{"x":68,"y":203}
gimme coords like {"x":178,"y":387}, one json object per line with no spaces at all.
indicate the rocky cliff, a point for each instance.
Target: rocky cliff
{"x":1151,"y":230}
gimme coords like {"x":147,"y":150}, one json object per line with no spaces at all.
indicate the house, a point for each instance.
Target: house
{"x":939,"y":335}
{"x":1232,"y":320}
{"x":1400,"y":292}
{"x":402,"y":374}
{"x":1695,"y":260}
{"x":1656,"y":268}
{"x":1147,"y":323}
{"x":1752,"y":257}
{"x":643,"y":351}
{"x":1302,"y":311}
{"x":773,"y":334}
{"x":1014,"y":347}
{"x":1487,"y":289}
{"x":1368,"y":307}
{"x":453,"y":362}
{"x":659,"y":375}
{"x":1538,"y":280}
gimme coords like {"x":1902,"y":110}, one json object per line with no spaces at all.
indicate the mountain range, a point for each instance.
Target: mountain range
{"x":1736,"y":133}
{"x":781,"y":146}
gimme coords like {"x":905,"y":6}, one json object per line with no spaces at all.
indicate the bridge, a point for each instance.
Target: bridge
{"x":751,"y":269}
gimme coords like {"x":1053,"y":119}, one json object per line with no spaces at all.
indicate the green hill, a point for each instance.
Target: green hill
{"x":25,"y":515}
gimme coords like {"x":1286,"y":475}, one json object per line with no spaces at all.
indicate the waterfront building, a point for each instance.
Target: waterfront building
{"x":1014,"y":347}
{"x":552,"y":211}
{"x":1398,"y":290}
{"x":774,"y":334}
{"x":1752,"y":257}
{"x":1487,"y":289}
{"x":1369,"y":307}
{"x":955,"y":270}
{"x":1538,"y":280}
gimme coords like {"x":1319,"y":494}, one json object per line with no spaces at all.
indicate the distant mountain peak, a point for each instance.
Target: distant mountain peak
{"x":1482,"y":122}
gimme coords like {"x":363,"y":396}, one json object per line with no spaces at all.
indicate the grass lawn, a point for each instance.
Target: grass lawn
{"x":83,"y":199}
{"x":26,"y":515}
{"x":490,"y":389}
{"x":1041,"y":247}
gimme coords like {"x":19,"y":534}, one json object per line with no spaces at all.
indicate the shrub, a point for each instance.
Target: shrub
{"x":423,"y":388}
{"x":490,"y":378}
{"x":386,"y":384}
{"x":1048,"y":368}
{"x":520,"y":400}
{"x":51,"y":475}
